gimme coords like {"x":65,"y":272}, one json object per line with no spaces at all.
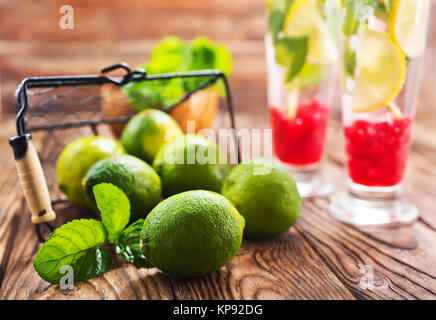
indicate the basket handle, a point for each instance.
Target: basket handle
{"x":32,"y":179}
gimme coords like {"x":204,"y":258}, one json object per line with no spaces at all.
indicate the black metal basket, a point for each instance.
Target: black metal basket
{"x":68,"y":103}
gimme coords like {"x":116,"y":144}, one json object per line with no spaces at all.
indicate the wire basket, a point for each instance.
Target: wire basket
{"x":58,"y":110}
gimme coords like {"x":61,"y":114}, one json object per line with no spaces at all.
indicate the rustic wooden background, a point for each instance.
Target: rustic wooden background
{"x":108,"y":31}
{"x":317,"y":259}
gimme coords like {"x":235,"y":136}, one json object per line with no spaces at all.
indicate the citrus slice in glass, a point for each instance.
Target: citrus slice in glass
{"x":408,"y":25}
{"x":304,"y":19}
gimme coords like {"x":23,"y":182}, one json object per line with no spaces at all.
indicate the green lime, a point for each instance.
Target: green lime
{"x":137,"y":179}
{"x":192,"y":233}
{"x":146,"y":132}
{"x":191,"y":162}
{"x":265,"y":194}
{"x":75,"y":160}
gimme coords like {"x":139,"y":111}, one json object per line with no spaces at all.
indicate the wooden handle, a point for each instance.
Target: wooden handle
{"x":33,"y":183}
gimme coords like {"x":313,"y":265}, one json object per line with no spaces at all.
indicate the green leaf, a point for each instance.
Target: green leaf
{"x":155,"y":93}
{"x":294,"y":52}
{"x":223,"y":59}
{"x":278,"y":5}
{"x":174,"y":55}
{"x":114,"y":207}
{"x":357,"y":13}
{"x":171,"y":45}
{"x":202,"y":54}
{"x":275,"y":23}
{"x":277,"y":11}
{"x":311,"y":75}
{"x":349,"y":59}
{"x":77,"y":244}
{"x":128,"y":245}
{"x":383,"y":10}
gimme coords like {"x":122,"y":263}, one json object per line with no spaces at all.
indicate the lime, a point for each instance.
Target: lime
{"x":137,"y":179}
{"x":75,"y":160}
{"x":266,"y":196}
{"x":191,"y":162}
{"x":408,"y":25}
{"x":146,"y":132}
{"x":304,"y":19}
{"x":380,"y":71}
{"x":192,"y":233}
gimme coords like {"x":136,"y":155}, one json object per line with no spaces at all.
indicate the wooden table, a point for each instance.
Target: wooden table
{"x":318,"y":258}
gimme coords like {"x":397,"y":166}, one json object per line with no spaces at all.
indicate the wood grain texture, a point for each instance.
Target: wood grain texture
{"x":319,"y":258}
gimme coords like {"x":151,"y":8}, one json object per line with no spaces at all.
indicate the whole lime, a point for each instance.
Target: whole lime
{"x":191,"y":162}
{"x":265,"y":194}
{"x":192,"y":233}
{"x":75,"y":160}
{"x":137,"y":179}
{"x":146,"y":132}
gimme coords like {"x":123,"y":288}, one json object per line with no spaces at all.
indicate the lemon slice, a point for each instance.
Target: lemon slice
{"x":304,"y":19}
{"x":408,"y":25}
{"x":380,"y":71}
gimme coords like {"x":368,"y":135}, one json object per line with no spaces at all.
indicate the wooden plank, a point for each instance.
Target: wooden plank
{"x":319,"y":258}
{"x":127,"y":20}
{"x":32,"y":44}
{"x":282,"y":268}
{"x":407,"y":274}
{"x":298,"y":265}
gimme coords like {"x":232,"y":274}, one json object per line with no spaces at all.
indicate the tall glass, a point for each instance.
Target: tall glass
{"x":382,"y":49}
{"x":301,"y":55}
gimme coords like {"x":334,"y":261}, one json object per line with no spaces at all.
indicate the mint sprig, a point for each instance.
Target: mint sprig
{"x":175,"y":55}
{"x":78,"y":243}
{"x":128,"y":245}
{"x":296,"y":52}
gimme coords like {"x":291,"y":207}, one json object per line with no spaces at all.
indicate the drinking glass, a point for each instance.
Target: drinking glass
{"x":382,"y":47}
{"x":301,"y":55}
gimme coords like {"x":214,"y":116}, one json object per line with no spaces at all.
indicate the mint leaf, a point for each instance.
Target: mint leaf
{"x":292,"y":52}
{"x":383,"y":10}
{"x":388,"y":5}
{"x":311,"y":75}
{"x":77,"y":244}
{"x":223,"y":59}
{"x":275,"y":23}
{"x":357,"y":14}
{"x":277,"y":11}
{"x":114,"y":207}
{"x":171,"y":45}
{"x":174,"y":55}
{"x":278,"y":5}
{"x":128,"y":244}
{"x":202,"y":54}
{"x":349,"y":59}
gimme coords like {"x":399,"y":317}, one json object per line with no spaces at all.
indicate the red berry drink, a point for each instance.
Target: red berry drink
{"x":382,"y":57}
{"x":302,"y":55}
{"x":299,"y":141}
{"x":377,"y":151}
